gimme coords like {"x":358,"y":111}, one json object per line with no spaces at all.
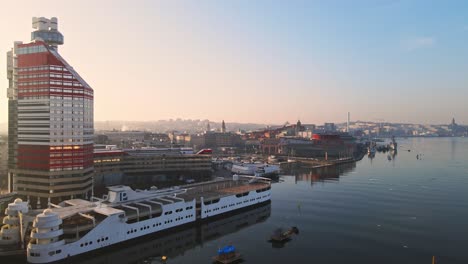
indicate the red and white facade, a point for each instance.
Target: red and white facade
{"x":54,"y":120}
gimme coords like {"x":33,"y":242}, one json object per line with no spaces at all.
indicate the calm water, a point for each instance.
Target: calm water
{"x":381,"y":210}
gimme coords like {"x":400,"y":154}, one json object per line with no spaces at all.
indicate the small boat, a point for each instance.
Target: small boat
{"x":255,"y":169}
{"x":282,"y":236}
{"x":227,"y":255}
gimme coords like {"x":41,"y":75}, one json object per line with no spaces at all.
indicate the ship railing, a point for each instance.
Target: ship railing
{"x":166,"y":200}
{"x":97,"y":199}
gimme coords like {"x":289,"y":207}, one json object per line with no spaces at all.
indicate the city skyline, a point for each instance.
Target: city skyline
{"x":262,"y":62}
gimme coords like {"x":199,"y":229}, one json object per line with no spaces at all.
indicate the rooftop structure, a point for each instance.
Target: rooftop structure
{"x":46,"y":31}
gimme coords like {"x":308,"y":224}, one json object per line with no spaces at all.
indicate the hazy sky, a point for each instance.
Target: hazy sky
{"x":260,"y":61}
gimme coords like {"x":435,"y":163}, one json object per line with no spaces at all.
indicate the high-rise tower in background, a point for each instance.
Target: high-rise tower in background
{"x":50,"y":122}
{"x":347,"y":122}
{"x":223,"y":127}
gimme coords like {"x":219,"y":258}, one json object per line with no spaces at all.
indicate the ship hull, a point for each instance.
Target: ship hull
{"x":115,"y":230}
{"x":204,"y":224}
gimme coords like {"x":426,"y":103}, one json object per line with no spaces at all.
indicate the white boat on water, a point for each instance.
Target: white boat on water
{"x":77,"y":226}
{"x":255,"y":169}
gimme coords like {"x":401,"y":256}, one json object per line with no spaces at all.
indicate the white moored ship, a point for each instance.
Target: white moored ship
{"x":78,"y":226}
{"x":257,"y":169}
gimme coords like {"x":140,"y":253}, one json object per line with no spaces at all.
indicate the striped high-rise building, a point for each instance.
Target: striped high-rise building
{"x":50,"y":122}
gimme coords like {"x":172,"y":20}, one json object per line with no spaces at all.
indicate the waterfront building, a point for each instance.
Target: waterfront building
{"x":337,"y":145}
{"x":270,"y":146}
{"x":117,"y":136}
{"x":183,"y":139}
{"x":216,"y":140}
{"x":50,"y":122}
{"x":146,"y":166}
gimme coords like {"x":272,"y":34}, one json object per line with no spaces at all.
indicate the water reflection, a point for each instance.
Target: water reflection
{"x":177,"y":242}
{"x":453,"y":148}
{"x":313,"y":175}
{"x":391,"y":156}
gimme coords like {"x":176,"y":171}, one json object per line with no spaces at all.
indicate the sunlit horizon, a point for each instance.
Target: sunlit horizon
{"x":264,"y":62}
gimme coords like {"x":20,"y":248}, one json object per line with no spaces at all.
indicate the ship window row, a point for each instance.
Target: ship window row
{"x":32,"y":254}
{"x":188,"y":208}
{"x":143,"y":228}
{"x":242,"y":194}
{"x":51,"y":253}
{"x":86,"y":244}
{"x":211,"y":202}
{"x":101,"y":240}
{"x":264,"y":189}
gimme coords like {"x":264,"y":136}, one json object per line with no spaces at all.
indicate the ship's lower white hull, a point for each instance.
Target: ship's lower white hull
{"x":114,"y":229}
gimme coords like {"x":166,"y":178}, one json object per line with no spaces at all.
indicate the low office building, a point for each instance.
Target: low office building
{"x":216,"y":140}
{"x":149,"y":166}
